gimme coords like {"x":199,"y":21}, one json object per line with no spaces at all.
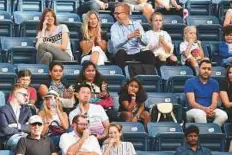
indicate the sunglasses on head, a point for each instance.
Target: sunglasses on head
{"x":36,"y":123}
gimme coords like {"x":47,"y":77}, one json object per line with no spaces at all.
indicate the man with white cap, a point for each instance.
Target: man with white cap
{"x":35,"y":144}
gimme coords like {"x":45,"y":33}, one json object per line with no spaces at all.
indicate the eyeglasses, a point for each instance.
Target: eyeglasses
{"x":36,"y":123}
{"x":118,"y":13}
{"x":82,"y":124}
{"x":24,"y":94}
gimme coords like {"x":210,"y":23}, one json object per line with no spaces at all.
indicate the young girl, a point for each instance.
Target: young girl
{"x":191,"y":50}
{"x":131,"y":99}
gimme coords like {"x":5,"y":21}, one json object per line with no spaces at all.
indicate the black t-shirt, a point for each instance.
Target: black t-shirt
{"x":124,"y":96}
{"x":224,"y":87}
{"x":29,"y":146}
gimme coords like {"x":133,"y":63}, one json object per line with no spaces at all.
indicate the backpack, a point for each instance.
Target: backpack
{"x":163,"y":112}
{"x":141,"y":69}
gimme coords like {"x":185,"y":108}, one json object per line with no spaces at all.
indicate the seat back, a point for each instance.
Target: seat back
{"x":110,"y":70}
{"x":6,"y":24}
{"x":196,"y":7}
{"x":30,"y":5}
{"x":70,"y":74}
{"x":65,"y":6}
{"x":153,"y":153}
{"x":218,"y":73}
{"x":135,"y":133}
{"x":223,"y":6}
{"x":6,"y":152}
{"x":142,"y":20}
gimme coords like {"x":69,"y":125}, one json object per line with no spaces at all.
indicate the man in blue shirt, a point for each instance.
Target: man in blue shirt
{"x":128,"y":37}
{"x":192,"y":146}
{"x":202,"y":96}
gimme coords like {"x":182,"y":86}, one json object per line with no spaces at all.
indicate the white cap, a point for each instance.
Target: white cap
{"x":35,"y":119}
{"x":51,"y":93}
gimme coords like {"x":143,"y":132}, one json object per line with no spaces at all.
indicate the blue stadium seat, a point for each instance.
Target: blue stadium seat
{"x":2,"y":99}
{"x":196,"y":7}
{"x":26,"y":23}
{"x":155,"y":98}
{"x":116,"y":100}
{"x":165,"y":136}
{"x":210,"y":136}
{"x":73,"y":22}
{"x":221,"y":153}
{"x":19,"y":50}
{"x":65,"y":6}
{"x":70,"y":73}
{"x":5,"y":5}
{"x":174,"y":77}
{"x":135,"y":133}
{"x":30,"y":5}
{"x":106,"y":22}
{"x":153,"y":153}
{"x":7,"y":76}
{"x":6,"y":24}
{"x":223,"y":6}
{"x":6,"y":152}
{"x":76,"y":50}
{"x":174,"y":25}
{"x":227,"y":127}
{"x":208,"y":27}
{"x":113,"y":75}
{"x":213,"y":49}
{"x":39,"y":73}
{"x":142,"y":20}
{"x":218,"y":73}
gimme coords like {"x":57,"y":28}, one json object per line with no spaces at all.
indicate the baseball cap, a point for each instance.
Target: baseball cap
{"x":51,"y":93}
{"x":35,"y":119}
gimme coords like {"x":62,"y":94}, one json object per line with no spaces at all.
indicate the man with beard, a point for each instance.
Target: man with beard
{"x":202,"y":96}
{"x":192,"y":145}
{"x":79,"y":141}
{"x":35,"y":144}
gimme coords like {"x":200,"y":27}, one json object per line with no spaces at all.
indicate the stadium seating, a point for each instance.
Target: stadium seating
{"x":213,"y":50}
{"x":223,"y":6}
{"x":174,"y":25}
{"x":39,"y":73}
{"x":26,"y":23}
{"x":165,"y":136}
{"x":6,"y":24}
{"x":196,"y":7}
{"x":7,"y":77}
{"x":134,"y":132}
{"x":73,"y":22}
{"x":208,"y":27}
{"x":65,"y":6}
{"x":6,"y":152}
{"x":30,"y":5}
{"x":106,"y":22}
{"x":218,"y":73}
{"x":70,"y":74}
{"x":5,"y":5}
{"x":153,"y":153}
{"x":227,"y":127}
{"x":19,"y":50}
{"x":142,"y":20}
{"x":210,"y":136}
{"x":174,"y":77}
{"x":115,"y":100}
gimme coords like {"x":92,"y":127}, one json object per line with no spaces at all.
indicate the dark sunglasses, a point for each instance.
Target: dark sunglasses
{"x":36,"y":123}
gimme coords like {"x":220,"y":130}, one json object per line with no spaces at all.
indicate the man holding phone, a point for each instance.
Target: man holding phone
{"x":79,"y":141}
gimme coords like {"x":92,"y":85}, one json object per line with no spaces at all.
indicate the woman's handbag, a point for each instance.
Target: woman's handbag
{"x":56,"y":129}
{"x":106,"y":102}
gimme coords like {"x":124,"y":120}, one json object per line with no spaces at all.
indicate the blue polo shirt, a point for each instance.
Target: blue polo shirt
{"x":186,"y":150}
{"x":203,"y":92}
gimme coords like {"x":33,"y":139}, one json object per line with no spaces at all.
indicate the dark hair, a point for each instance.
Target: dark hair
{"x":98,"y":77}
{"x":141,"y":91}
{"x":42,"y":18}
{"x":229,"y":84}
{"x":52,"y":64}
{"x":24,"y":73}
{"x":205,"y":61}
{"x":227,"y":30}
{"x":79,"y":86}
{"x":76,"y":118}
{"x":191,"y":129}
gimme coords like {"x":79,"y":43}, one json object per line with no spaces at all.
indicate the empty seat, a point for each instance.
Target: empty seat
{"x":218,"y":73}
{"x":19,"y":50}
{"x":220,"y":153}
{"x":39,"y":73}
{"x":6,"y":24}
{"x":7,"y":76}
{"x":153,"y":153}
{"x":65,"y":6}
{"x":210,"y":136}
{"x":213,"y":49}
{"x":106,"y":22}
{"x":142,"y":20}
{"x":165,"y":136}
{"x":227,"y":127}
{"x":26,"y":23}
{"x":223,"y":6}
{"x":5,"y":5}
{"x":196,"y":7}
{"x":208,"y":27}
{"x":70,"y":74}
{"x":73,"y":22}
{"x":174,"y":25}
{"x":174,"y":77}
{"x":30,"y":5}
{"x":6,"y":152}
{"x":135,"y":133}
{"x":113,"y":75}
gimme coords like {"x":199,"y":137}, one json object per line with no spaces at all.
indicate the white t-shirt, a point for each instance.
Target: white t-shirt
{"x":68,"y":139}
{"x":183,"y":47}
{"x":229,"y":47}
{"x":125,"y":148}
{"x":95,"y":115}
{"x":56,"y":37}
{"x":154,"y":45}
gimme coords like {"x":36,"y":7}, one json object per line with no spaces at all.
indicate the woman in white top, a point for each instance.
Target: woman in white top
{"x":159,"y":41}
{"x":113,"y":145}
{"x":52,"y":40}
{"x":228,"y":18}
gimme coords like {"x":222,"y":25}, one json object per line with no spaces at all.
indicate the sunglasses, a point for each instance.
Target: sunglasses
{"x":36,"y":123}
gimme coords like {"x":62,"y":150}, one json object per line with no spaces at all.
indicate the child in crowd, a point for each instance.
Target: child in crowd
{"x":225,"y":47}
{"x":131,"y":99}
{"x":190,"y":49}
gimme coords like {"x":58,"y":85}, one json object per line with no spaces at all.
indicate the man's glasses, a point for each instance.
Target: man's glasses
{"x":24,"y":94}
{"x":36,"y":123}
{"x":82,"y":124}
{"x":118,"y":13}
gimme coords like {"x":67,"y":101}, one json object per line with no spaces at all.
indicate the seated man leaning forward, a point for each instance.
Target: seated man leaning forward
{"x":79,"y":141}
{"x":202,"y":96}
